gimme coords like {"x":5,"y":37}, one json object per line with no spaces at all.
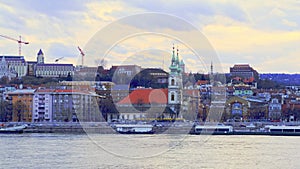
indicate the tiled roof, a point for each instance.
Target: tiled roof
{"x":54,"y":64}
{"x":202,"y":82}
{"x":250,"y":80}
{"x":40,"y":52}
{"x":146,"y":96}
{"x":14,"y":58}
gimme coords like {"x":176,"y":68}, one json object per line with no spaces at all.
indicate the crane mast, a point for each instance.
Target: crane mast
{"x":17,"y":40}
{"x":82,"y":55}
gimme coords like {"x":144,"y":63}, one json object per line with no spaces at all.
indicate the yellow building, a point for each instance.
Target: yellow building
{"x":21,"y":101}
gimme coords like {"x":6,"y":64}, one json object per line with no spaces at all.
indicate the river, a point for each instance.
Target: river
{"x":34,"y":150}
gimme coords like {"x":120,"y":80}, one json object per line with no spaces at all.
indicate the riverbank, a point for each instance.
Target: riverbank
{"x":162,"y":128}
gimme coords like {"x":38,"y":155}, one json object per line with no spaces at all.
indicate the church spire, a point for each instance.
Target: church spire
{"x":177,"y":57}
{"x":211,"y":68}
{"x":173,"y":56}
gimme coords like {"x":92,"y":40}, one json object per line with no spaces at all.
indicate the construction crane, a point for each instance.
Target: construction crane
{"x":58,"y":59}
{"x":82,"y":55}
{"x":19,"y":42}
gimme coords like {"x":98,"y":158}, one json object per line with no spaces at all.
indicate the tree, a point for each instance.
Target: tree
{"x":4,"y":80}
{"x":19,"y":108}
{"x":4,"y":112}
{"x":268,"y":84}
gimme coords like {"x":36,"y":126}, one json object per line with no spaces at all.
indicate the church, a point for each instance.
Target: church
{"x":175,"y":101}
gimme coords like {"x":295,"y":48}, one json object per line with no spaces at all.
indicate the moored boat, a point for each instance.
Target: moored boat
{"x":213,"y":129}
{"x":134,"y":128}
{"x":283,"y":130}
{"x":13,"y":129}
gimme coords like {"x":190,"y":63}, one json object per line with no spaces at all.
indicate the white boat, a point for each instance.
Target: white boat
{"x":134,"y":128}
{"x":217,"y":129}
{"x":13,"y":129}
{"x":283,"y":130}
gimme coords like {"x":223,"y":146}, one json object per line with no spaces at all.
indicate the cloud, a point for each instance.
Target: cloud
{"x":53,"y":8}
{"x":241,"y":31}
{"x":289,"y":23}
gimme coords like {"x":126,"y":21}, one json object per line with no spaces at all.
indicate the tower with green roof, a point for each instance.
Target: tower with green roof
{"x":175,"y":84}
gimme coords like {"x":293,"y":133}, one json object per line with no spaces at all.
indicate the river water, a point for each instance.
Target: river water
{"x":147,"y":151}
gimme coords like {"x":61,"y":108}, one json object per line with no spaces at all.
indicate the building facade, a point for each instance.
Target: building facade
{"x":42,"y":105}
{"x":17,"y":64}
{"x":51,"y":69}
{"x":5,"y":70}
{"x":74,"y":105}
{"x":124,"y":73}
{"x":244,"y":71}
{"x":21,"y":101}
{"x":275,"y":109}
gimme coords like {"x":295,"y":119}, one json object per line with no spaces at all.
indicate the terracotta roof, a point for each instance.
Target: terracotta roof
{"x":202,"y":82}
{"x":250,"y":80}
{"x":146,"y":96}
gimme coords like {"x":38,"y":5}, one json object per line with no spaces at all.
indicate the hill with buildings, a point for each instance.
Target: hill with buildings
{"x":282,"y":78}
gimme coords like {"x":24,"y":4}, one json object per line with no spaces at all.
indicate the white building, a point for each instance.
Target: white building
{"x":17,"y":64}
{"x":42,"y":105}
{"x":275,"y":109}
{"x":5,"y":70}
{"x":52,"y":69}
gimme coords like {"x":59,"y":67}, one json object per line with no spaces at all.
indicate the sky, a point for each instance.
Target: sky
{"x":264,"y":34}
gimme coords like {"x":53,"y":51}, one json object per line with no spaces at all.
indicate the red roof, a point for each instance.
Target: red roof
{"x":202,"y":82}
{"x":250,"y":80}
{"x":146,"y":96}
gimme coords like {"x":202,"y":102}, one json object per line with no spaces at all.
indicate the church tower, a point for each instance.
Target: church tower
{"x":175,"y":84}
{"x":40,"y":57}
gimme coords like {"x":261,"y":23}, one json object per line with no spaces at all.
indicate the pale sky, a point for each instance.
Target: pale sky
{"x":265,"y":34}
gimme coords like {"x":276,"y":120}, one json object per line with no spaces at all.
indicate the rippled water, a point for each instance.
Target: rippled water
{"x":148,"y":151}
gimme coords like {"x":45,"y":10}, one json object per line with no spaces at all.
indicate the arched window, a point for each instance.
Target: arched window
{"x":172,"y":97}
{"x":172,"y":82}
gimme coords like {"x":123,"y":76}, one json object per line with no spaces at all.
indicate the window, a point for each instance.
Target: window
{"x":172,"y":97}
{"x":172,"y":82}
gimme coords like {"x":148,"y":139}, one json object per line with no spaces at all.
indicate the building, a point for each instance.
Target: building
{"x":119,"y":92}
{"x":17,"y":64}
{"x":175,"y":85}
{"x":275,"y":110}
{"x":143,"y":103}
{"x":74,"y":105}
{"x":291,"y":109}
{"x":245,"y":108}
{"x":42,"y":105}
{"x":5,"y":70}
{"x":31,"y":68}
{"x":21,"y":101}
{"x":242,"y":91}
{"x":150,"y":78}
{"x":51,"y":69}
{"x":86,"y":71}
{"x":54,"y":70}
{"x":65,"y":105}
{"x":244,"y":71}
{"x":124,"y":73}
